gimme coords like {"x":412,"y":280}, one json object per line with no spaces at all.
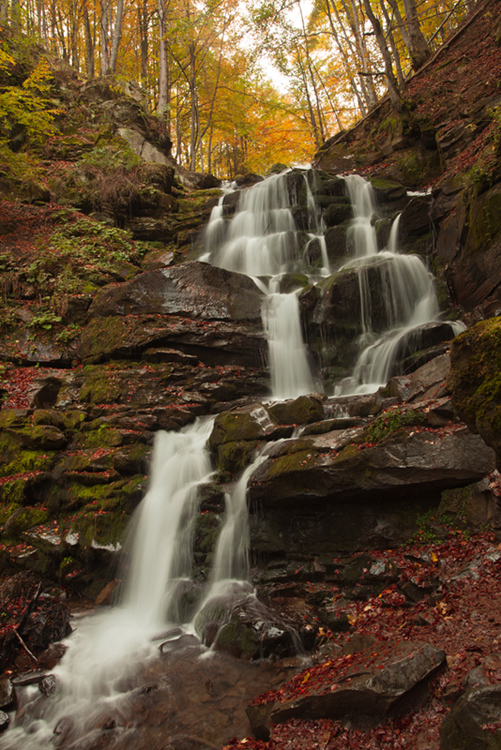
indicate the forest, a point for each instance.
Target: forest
{"x":240,"y":86}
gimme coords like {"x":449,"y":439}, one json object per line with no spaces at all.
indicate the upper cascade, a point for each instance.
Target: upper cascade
{"x":281,"y":226}
{"x":262,"y":241}
{"x":261,"y":238}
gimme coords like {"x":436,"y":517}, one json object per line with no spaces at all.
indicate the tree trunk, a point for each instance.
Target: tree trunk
{"x":355,"y":89}
{"x":418,"y":50}
{"x":104,"y":25}
{"x":394,"y":50}
{"x":163,"y":72}
{"x":142,"y":19}
{"x":117,"y":35}
{"x":89,"y":45}
{"x":392,"y":81}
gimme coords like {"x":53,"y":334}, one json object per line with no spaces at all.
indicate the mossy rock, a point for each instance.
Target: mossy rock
{"x":26,"y":461}
{"x":293,"y":463}
{"x":234,"y":457}
{"x":475,"y":380}
{"x":102,"y":437}
{"x":238,"y":639}
{"x":13,"y":419}
{"x":251,"y":423}
{"x":42,"y":436}
{"x":302,"y":410}
{"x":207,"y":528}
{"x":390,"y":422}
{"x":49,"y":417}
{"x":484,"y":220}
{"x":104,"y":529}
{"x":23,"y":519}
{"x":291,"y":281}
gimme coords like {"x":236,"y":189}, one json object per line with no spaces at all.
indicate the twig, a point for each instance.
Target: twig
{"x":23,"y":644}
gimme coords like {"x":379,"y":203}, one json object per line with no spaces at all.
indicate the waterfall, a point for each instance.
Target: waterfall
{"x":407,"y":291}
{"x":261,"y":237}
{"x":161,"y":547}
{"x":290,"y":371}
{"x":107,"y":648}
{"x":261,"y":240}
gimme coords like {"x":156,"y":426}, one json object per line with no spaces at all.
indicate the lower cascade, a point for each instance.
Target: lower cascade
{"x":108,"y":648}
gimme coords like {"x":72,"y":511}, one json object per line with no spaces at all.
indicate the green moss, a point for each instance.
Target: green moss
{"x":12,"y":419}
{"x":6,"y":510}
{"x":302,"y":410}
{"x":234,"y":457}
{"x":291,"y":281}
{"x":73,"y":419}
{"x":101,"y":528}
{"x":239,"y":638}
{"x":295,"y":462}
{"x":207,"y":527}
{"x":102,"y":437}
{"x":231,"y":427}
{"x":12,"y":492}
{"x":28,"y":461}
{"x":23,"y":519}
{"x":484,"y":220}
{"x":48,"y":417}
{"x":475,"y":380}
{"x":390,"y":422}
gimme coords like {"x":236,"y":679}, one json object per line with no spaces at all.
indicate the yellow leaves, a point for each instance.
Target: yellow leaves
{"x":6,"y":61}
{"x":40,"y":79}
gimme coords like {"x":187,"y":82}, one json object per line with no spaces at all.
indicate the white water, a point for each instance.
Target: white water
{"x":407,"y":291}
{"x":261,"y":240}
{"x":106,"y":648}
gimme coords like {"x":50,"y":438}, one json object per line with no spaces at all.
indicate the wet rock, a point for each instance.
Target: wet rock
{"x":385,"y":680}
{"x":473,"y":722}
{"x":4,"y":721}
{"x":337,"y":213}
{"x":429,"y":381}
{"x":336,"y":242}
{"x":48,"y":686}
{"x":212,"y":342}
{"x":195,"y":290}
{"x":415,"y":219}
{"x":247,"y":423}
{"x":299,"y":411}
{"x":7,"y":693}
{"x":423,"y":461}
{"x":473,"y":380}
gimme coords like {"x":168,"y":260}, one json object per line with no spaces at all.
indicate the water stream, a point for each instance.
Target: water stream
{"x":406,"y":289}
{"x":262,"y":241}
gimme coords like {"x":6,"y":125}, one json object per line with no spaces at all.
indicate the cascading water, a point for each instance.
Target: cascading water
{"x":261,"y":240}
{"x":108,"y":647}
{"x":407,"y":292}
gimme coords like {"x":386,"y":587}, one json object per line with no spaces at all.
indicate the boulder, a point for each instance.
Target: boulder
{"x":469,"y":243}
{"x":473,"y":722}
{"x":212,"y":342}
{"x":474,"y":380}
{"x":385,"y":680}
{"x":419,"y":461}
{"x":193,"y":289}
{"x":429,"y":381}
